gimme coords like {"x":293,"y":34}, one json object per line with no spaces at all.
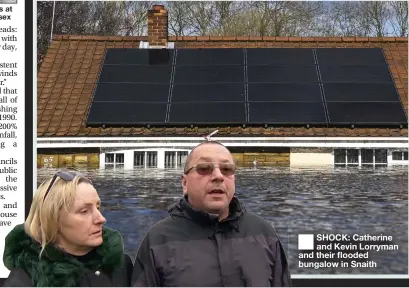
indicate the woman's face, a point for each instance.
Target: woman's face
{"x":81,"y":228}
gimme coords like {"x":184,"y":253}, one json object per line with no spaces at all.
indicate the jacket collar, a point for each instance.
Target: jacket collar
{"x":57,"y":268}
{"x":185,"y":210}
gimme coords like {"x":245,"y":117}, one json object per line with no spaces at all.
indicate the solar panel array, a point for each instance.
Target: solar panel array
{"x":255,"y":86}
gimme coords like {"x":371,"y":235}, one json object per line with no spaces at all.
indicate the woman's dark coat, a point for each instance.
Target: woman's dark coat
{"x":106,"y":266}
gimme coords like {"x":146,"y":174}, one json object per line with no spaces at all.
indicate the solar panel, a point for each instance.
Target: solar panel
{"x":129,"y":56}
{"x":136,"y":73}
{"x":282,"y":74}
{"x":200,"y":74}
{"x":208,"y":92}
{"x":275,"y":86}
{"x":350,"y":56}
{"x":210,"y":56}
{"x":287,"y":113}
{"x":366,"y":113}
{"x":132,"y":92}
{"x":280,"y":56}
{"x":284,"y":92}
{"x":355,"y":73}
{"x":352,"y":92}
{"x":207,"y":113}
{"x":123,"y":113}
{"x":160,"y":56}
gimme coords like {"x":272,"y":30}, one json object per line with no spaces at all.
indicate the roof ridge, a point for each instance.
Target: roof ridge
{"x":234,"y":38}
{"x":99,"y":38}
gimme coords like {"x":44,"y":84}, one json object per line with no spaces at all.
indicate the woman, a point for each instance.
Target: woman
{"x":63,"y":241}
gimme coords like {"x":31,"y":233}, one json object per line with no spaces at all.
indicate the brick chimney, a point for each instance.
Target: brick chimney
{"x":158,"y":26}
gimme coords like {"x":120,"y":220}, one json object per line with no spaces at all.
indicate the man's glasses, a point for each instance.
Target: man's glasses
{"x":64,"y":175}
{"x":227,"y":169}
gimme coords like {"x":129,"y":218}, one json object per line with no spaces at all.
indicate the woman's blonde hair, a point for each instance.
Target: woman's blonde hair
{"x":42,"y":223}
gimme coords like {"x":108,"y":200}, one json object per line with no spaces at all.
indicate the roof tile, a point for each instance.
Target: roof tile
{"x":203,"y":38}
{"x":137,"y":131}
{"x":116,"y":131}
{"x":294,"y":39}
{"x":348,"y":39}
{"x":401,"y":39}
{"x":269,"y":38}
{"x":41,"y":129}
{"x":282,"y":38}
{"x":67,"y":76}
{"x":256,"y":38}
{"x":321,"y":39}
{"x":188,"y":38}
{"x":242,"y":38}
{"x":216,"y":38}
{"x":307,"y":39}
{"x":335,"y":39}
{"x":291,"y":44}
{"x":361,"y":39}
{"x":245,"y":131}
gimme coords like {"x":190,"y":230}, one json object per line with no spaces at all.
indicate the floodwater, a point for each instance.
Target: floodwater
{"x":295,"y":201}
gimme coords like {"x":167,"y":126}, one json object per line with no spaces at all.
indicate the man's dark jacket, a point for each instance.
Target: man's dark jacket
{"x":192,"y":248}
{"x":56,"y":268}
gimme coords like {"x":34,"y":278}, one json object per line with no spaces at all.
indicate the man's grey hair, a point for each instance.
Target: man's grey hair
{"x":189,"y":157}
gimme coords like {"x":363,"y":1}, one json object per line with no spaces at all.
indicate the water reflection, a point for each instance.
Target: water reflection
{"x":294,"y":201}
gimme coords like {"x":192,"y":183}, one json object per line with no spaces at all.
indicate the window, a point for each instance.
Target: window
{"x":340,"y":156}
{"x":364,"y":157}
{"x":175,"y":159}
{"x":152,"y":159}
{"x":170,"y":159}
{"x":399,"y":155}
{"x":367,"y":156}
{"x":346,"y":157}
{"x":182,"y":155}
{"x":114,"y":160}
{"x":370,"y":157}
{"x":119,"y":158}
{"x":352,"y":156}
{"x":139,"y":159}
{"x":396,"y":155}
{"x":109,"y":158}
{"x":381,"y":156}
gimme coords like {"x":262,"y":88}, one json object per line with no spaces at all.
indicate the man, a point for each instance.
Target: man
{"x":255,"y":163}
{"x":209,"y":239}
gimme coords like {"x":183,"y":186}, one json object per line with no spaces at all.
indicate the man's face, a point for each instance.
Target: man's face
{"x":210,"y":192}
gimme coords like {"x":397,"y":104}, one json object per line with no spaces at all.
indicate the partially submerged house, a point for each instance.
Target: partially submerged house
{"x":140,"y":102}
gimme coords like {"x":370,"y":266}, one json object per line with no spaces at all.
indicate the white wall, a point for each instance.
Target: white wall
{"x":311,"y":159}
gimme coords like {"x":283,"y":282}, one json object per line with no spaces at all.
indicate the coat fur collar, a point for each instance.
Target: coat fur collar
{"x":56,"y":268}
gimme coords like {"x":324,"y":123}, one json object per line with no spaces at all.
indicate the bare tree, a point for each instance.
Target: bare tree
{"x":69,"y":18}
{"x":134,"y":18}
{"x":260,"y":18}
{"x":297,"y":18}
{"x":399,"y":10}
{"x":223,"y":13}
{"x":343,"y":18}
{"x":200,"y":15}
{"x":106,"y":18}
{"x":44,"y":16}
{"x":375,"y":15}
{"x":224,"y":18}
{"x":178,"y":18}
{"x":279,"y":18}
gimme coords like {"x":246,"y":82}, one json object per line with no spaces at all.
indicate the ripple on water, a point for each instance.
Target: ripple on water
{"x":293,"y":200}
